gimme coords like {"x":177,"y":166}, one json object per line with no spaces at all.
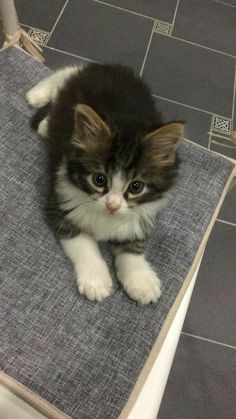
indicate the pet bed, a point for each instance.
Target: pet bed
{"x":65,"y":355}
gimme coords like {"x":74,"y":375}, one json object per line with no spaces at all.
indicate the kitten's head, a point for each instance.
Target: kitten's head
{"x":121,"y":170}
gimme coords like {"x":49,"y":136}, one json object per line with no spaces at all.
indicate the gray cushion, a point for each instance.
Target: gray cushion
{"x":83,"y":357}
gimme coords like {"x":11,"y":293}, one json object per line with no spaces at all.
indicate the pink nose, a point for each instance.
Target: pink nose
{"x":112,"y":206}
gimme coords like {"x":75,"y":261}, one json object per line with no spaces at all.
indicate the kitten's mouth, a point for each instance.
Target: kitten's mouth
{"x":112,"y":212}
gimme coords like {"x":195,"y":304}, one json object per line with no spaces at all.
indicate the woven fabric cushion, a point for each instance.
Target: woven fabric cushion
{"x":82,"y":357}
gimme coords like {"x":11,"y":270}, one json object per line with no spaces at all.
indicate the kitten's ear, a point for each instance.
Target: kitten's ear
{"x":162,"y":143}
{"x":88,"y":125}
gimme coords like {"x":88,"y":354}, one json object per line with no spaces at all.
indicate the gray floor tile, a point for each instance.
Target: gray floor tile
{"x":228,"y":211}
{"x":202,"y":382}
{"x":157,"y":9}
{"x":190,"y":74}
{"x":102,"y":33}
{"x":234,"y":103}
{"x":57,"y":59}
{"x":197,"y":123}
{"x":39,"y":14}
{"x":229,"y":151}
{"x":212,"y":309}
{"x":2,"y":38}
{"x":207,"y":23}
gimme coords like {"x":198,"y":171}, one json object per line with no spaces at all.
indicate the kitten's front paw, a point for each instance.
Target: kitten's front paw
{"x":95,"y":283}
{"x":142,"y":286}
{"x":38,"y":96}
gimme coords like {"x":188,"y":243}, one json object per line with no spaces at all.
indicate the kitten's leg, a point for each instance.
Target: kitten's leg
{"x":137,"y":277}
{"x":92,"y":273}
{"x":43,"y":128}
{"x":46,"y":90}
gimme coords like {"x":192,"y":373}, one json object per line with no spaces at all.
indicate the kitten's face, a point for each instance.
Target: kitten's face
{"x":116,"y":191}
{"x":119,"y":172}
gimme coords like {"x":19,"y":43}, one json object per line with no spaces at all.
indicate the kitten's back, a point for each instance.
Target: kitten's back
{"x":117,"y":94}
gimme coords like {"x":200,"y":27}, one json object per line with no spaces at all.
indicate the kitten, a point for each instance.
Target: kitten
{"x":112,"y":163}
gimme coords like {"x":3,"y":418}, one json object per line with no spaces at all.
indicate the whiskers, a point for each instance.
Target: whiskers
{"x":71,"y":205}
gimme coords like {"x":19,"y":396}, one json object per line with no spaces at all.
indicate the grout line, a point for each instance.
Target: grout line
{"x":182,"y":104}
{"x":226,"y":4}
{"x":234,"y":94}
{"x":226,"y":222}
{"x":58,"y":18}
{"x":217,"y":154}
{"x":146,"y":54}
{"x":68,"y":53}
{"x":176,"y":9}
{"x":202,"y":46}
{"x":208,"y":340}
{"x":223,"y":145}
{"x":212,"y":124}
{"x":219,"y":136}
{"x":209,"y":141}
{"x":124,"y":10}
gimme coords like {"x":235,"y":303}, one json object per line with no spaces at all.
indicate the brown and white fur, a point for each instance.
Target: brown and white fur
{"x":112,"y":163}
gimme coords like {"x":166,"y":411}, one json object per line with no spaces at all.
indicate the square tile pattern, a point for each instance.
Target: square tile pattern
{"x":221,"y":124}
{"x":39,"y":36}
{"x":39,"y":13}
{"x":217,"y":32}
{"x":190,"y":74}
{"x":102,"y":33}
{"x":162,"y":27}
{"x":212,"y":309}
{"x":220,"y":136}
{"x":202,"y":382}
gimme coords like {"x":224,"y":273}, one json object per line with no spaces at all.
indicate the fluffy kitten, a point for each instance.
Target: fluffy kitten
{"x":112,"y":162}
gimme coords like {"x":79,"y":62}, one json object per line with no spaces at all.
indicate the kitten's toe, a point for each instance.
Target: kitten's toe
{"x":95,"y":291}
{"x":143,"y":286}
{"x":37,"y":97}
{"x":95,"y":286}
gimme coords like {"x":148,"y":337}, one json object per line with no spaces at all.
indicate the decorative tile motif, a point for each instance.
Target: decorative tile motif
{"x":41,"y":37}
{"x":221,"y":138}
{"x":221,"y":124}
{"x":162,"y":27}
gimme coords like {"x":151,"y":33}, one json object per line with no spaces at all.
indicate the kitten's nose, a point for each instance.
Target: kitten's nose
{"x":113,"y":203}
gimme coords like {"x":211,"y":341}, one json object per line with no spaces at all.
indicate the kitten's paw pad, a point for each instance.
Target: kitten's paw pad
{"x":143,"y":286}
{"x":96,"y":286}
{"x":38,"y":96}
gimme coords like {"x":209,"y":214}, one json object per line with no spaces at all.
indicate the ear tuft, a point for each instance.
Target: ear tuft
{"x":88,"y":126}
{"x":162,"y":143}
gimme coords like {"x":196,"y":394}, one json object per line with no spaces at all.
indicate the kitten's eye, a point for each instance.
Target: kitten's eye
{"x":99,"y":179}
{"x":136,"y":186}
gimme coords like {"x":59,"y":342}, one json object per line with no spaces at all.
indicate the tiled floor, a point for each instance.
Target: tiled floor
{"x":185,"y":49}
